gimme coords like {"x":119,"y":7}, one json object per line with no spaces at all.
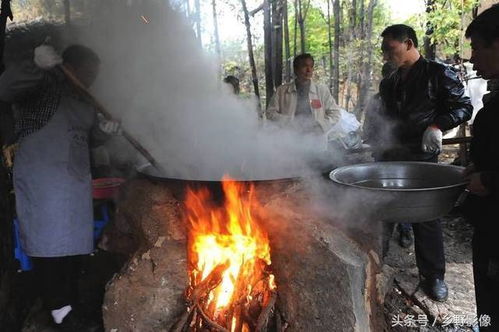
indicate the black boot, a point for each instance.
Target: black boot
{"x":436,"y":289}
{"x":405,"y":235}
{"x":405,"y":239}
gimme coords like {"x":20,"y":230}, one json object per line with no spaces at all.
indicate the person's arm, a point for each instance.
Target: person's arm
{"x":273,"y":112}
{"x":455,"y":106}
{"x":19,"y":81}
{"x":331,"y":109}
{"x":23,"y":79}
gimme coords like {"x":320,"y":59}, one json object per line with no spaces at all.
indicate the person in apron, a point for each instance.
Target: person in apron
{"x":52,"y":179}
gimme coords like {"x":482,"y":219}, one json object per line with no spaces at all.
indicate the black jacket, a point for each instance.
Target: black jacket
{"x":483,"y":212}
{"x":431,"y":94}
{"x":485,"y":144}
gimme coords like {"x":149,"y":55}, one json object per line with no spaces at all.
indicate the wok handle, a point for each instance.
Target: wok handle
{"x":101,"y":109}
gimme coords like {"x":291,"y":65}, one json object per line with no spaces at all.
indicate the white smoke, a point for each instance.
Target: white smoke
{"x":158,"y":80}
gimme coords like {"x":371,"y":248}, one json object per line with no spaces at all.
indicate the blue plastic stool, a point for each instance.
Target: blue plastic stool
{"x":99,"y":224}
{"x":24,"y":260}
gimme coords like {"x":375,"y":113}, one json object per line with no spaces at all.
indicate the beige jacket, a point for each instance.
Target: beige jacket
{"x":282,"y":107}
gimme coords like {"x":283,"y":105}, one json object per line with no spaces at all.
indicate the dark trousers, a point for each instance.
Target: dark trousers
{"x":428,"y":238}
{"x":486,"y":276}
{"x":428,"y":245}
{"x":57,"y":279}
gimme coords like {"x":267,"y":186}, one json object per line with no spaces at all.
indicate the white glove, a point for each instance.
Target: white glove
{"x":46,"y":57}
{"x":432,"y":140}
{"x":109,"y":127}
{"x":141,"y":163}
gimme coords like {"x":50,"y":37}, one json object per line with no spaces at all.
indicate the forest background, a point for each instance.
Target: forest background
{"x":256,"y":40}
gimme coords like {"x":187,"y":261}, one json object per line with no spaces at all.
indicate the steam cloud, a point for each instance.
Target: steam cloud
{"x":156,"y":78}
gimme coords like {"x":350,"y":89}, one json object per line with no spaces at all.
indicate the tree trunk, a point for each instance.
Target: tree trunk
{"x":251,"y":56}
{"x":348,"y":81}
{"x":197,"y":20}
{"x":267,"y":28}
{"x":336,"y":51}
{"x":295,"y":36}
{"x":277,"y":42}
{"x":367,"y":65}
{"x":301,"y":23}
{"x":360,"y":33}
{"x":330,"y":44}
{"x":361,"y":21}
{"x":67,"y":12}
{"x":429,"y":47}
{"x":218,"y":50}
{"x":353,"y":19}
{"x":287,"y":51}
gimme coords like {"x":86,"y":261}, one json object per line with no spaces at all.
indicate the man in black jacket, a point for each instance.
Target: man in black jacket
{"x":484,"y":172}
{"x":420,"y":99}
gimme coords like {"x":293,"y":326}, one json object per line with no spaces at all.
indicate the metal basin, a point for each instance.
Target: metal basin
{"x":402,"y":191}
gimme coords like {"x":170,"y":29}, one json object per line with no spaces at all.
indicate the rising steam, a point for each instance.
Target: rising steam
{"x":156,"y":78}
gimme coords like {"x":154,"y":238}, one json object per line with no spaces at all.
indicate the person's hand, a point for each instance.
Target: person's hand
{"x":476,"y":186}
{"x":110,"y":127}
{"x":143,"y":167}
{"x":8,"y":154}
{"x":432,"y":140}
{"x":46,"y":57}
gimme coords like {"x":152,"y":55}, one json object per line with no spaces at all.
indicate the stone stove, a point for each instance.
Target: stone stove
{"x":327,"y":277}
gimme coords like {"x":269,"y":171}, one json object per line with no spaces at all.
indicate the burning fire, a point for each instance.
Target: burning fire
{"x":229,"y":255}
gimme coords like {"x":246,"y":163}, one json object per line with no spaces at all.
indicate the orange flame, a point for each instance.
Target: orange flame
{"x":227,"y":234}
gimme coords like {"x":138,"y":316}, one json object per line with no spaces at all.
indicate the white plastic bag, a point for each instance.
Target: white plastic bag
{"x":346,"y":131}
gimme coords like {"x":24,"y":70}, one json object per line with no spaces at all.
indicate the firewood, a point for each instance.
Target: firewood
{"x":208,"y":284}
{"x":198,"y":292}
{"x":239,"y":319}
{"x":238,"y":298}
{"x":182,"y":321}
{"x":209,"y":322}
{"x":245,"y":315}
{"x":263,"y":319}
{"x":193,"y":321}
{"x":278,"y":320}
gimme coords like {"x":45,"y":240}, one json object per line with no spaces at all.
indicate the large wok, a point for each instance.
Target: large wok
{"x":401,"y":191}
{"x":179,"y":185}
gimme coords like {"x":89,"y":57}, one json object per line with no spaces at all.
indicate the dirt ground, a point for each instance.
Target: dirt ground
{"x":405,"y":299}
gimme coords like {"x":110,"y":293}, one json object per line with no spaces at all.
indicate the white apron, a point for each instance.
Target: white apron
{"x":53,"y":185}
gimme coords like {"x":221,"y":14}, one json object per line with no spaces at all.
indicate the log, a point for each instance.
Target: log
{"x":208,"y":321}
{"x":209,"y":283}
{"x":202,"y":290}
{"x":263,"y":319}
{"x":182,"y":321}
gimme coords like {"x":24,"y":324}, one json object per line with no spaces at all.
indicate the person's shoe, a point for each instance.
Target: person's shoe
{"x":74,"y":323}
{"x":405,"y":239}
{"x":436,"y":289}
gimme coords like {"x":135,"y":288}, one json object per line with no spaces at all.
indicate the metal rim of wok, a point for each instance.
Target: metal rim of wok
{"x":158,"y":177}
{"x":335,"y":174}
